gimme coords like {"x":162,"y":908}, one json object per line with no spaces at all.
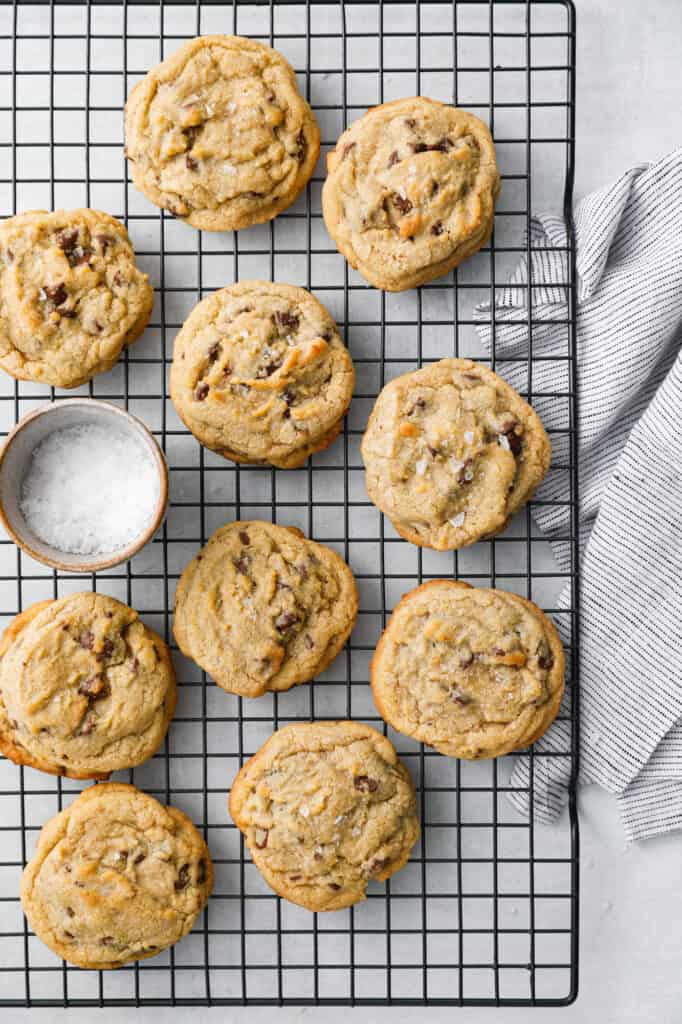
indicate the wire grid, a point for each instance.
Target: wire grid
{"x":486,"y":910}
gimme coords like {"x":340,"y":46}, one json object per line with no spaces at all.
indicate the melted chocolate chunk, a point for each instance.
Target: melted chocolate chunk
{"x":285,"y":620}
{"x":191,"y":134}
{"x":286,"y":319}
{"x":93,"y":688}
{"x":515,"y":442}
{"x":404,"y":205}
{"x":301,"y":145}
{"x":437,"y":228}
{"x":244,"y":537}
{"x":411,"y":123}
{"x":267,"y":370}
{"x":242,"y":565}
{"x":140,"y":857}
{"x":347,"y":149}
{"x":86,"y":640}
{"x":545,"y":661}
{"x":106,"y":652}
{"x":182,"y":880}
{"x":364,"y":784}
{"x":105,"y":241}
{"x":56,"y":294}
{"x":393,"y":158}
{"x":214,"y":352}
{"x":335,"y":886}
{"x":202,"y":873}
{"x":201,"y":392}
{"x":191,"y":163}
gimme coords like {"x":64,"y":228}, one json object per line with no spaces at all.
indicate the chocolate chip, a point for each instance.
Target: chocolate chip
{"x":434,"y":188}
{"x":295,"y":878}
{"x":56,"y":294}
{"x":404,"y":205}
{"x":365,"y":784}
{"x":317,"y":856}
{"x":105,"y":241}
{"x":136,"y":665}
{"x":437,"y":228}
{"x":301,"y":145}
{"x":68,"y":935}
{"x":442,"y":146}
{"x":545,"y":661}
{"x":418,"y":147}
{"x":67,"y":240}
{"x":335,"y":886}
{"x":201,"y":392}
{"x":106,"y":940}
{"x":285,"y":620}
{"x":286,"y":319}
{"x":202,"y":873}
{"x":106,"y":652}
{"x":393,"y":158}
{"x":416,"y":406}
{"x":93,"y":687}
{"x":309,"y":642}
{"x":139,"y":858}
{"x":515,"y":442}
{"x":86,"y":640}
{"x":182,"y":880}
{"x":191,"y":134}
{"x":411,"y":123}
{"x":242,"y":565}
{"x":214,"y":352}
{"x":261,"y":838}
{"x":347,"y":149}
{"x":378,"y":865}
{"x":267,"y":370}
{"x":79,"y":255}
{"x":10,"y":256}
{"x":123,"y":857}
{"x":191,"y":163}
{"x":98,"y":326}
{"x":70,"y":911}
{"x":244,"y":537}
{"x":289,"y":397}
{"x":69,"y":314}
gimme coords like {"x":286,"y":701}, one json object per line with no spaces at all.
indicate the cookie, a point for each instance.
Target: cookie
{"x":115,"y":877}
{"x":410,"y":191}
{"x":451,"y":451}
{"x":262,"y":608}
{"x":324,"y":808}
{"x":219,"y":135}
{"x":473,"y":672}
{"x":71,"y":296}
{"x":85,"y":687}
{"x":261,"y":375}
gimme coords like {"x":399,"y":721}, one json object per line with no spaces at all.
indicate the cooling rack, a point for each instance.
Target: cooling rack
{"x":486,"y":912}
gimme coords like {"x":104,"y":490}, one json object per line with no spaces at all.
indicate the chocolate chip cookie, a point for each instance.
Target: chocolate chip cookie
{"x":71,"y":296}
{"x":85,"y":687}
{"x":219,"y":135}
{"x":410,"y":191}
{"x":262,"y":608}
{"x":472,"y":672}
{"x":325,"y":807}
{"x":451,"y":451}
{"x":261,"y":375}
{"x":115,"y":877}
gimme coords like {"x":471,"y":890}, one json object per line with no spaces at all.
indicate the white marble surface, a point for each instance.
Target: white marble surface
{"x":629,"y":84}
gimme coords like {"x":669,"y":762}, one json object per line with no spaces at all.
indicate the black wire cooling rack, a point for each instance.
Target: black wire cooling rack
{"x":486,"y":912}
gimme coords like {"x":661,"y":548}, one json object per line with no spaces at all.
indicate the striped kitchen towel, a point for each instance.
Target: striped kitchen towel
{"x":629,"y":331}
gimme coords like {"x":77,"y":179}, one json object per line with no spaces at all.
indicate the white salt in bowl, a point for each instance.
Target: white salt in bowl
{"x":16,"y":460}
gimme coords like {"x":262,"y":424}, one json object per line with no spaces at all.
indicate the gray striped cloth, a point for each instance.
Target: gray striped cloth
{"x":629,"y":260}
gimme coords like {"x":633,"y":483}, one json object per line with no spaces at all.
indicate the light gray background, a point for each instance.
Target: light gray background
{"x":629,"y":110}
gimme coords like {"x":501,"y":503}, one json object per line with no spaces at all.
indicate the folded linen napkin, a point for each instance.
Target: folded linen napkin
{"x":629,"y":331}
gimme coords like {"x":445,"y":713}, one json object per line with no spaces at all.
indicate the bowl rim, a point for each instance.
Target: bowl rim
{"x":162,"y":469}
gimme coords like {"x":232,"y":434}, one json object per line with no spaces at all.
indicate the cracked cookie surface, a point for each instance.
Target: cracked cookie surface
{"x":219,"y":135}
{"x":260,"y":374}
{"x":85,"y":687}
{"x":473,"y":672}
{"x":410,"y":191}
{"x":451,"y":451}
{"x":115,"y":877}
{"x":324,"y":808}
{"x":262,"y":608}
{"x":71,"y":296}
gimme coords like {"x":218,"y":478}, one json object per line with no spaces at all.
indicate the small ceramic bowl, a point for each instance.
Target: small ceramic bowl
{"x":16,"y":456}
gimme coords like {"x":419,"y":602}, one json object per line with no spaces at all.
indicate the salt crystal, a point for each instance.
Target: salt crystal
{"x":421,"y":466}
{"x":231,"y":107}
{"x":356,"y":831}
{"x":339,"y":819}
{"x":457,"y":520}
{"x":503,"y":442}
{"x":79,"y":494}
{"x":455,"y":465}
{"x":304,"y":811}
{"x":468,"y":437}
{"x":229,"y":168}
